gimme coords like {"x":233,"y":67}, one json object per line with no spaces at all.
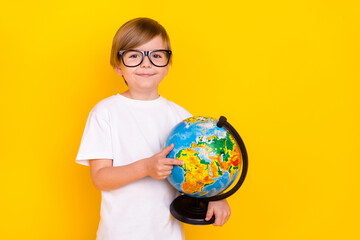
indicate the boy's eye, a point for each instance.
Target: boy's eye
{"x":157,"y":55}
{"x":134,"y":56}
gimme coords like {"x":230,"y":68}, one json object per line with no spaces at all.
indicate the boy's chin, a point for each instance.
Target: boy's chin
{"x":148,"y":83}
{"x":144,"y":88}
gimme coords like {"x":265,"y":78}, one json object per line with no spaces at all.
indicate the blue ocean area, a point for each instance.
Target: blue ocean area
{"x":177,"y":177}
{"x":183,"y":135}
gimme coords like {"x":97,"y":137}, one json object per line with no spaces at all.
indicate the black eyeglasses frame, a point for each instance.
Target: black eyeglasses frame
{"x":144,"y":54}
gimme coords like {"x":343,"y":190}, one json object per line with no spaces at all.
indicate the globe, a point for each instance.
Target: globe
{"x":211,"y":154}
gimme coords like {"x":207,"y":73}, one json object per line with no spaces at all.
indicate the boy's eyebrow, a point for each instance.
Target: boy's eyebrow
{"x":136,"y":48}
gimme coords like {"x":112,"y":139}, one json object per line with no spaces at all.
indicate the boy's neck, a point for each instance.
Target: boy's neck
{"x":140,"y":96}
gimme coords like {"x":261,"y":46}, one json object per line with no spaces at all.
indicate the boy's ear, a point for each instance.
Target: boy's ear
{"x":118,"y":71}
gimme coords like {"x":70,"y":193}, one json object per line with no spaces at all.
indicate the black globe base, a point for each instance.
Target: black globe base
{"x":190,"y":210}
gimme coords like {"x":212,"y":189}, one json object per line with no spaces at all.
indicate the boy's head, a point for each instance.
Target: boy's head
{"x":135,"y":33}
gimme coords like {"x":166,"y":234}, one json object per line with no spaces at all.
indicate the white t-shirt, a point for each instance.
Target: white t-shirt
{"x":127,"y":130}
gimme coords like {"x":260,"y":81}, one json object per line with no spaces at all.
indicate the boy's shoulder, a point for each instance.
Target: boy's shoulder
{"x":177,"y":108}
{"x":171,"y":103}
{"x":109,"y":101}
{"x":105,"y":105}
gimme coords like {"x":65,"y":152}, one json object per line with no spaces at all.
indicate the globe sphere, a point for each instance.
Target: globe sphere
{"x":211,"y":154}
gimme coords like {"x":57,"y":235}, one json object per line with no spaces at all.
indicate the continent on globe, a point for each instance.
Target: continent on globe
{"x":212,"y":157}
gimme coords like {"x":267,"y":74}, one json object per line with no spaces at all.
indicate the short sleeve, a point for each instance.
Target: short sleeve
{"x":96,"y":140}
{"x":185,"y":114}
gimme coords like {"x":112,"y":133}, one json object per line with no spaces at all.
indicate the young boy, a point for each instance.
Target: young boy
{"x":123,"y":137}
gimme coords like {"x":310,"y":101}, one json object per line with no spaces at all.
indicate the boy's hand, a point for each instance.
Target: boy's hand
{"x":160,"y":167}
{"x":221,"y":209}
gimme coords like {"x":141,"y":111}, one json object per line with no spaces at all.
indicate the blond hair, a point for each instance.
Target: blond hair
{"x":135,"y":33}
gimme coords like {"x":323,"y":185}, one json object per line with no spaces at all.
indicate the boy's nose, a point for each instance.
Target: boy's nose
{"x":146,"y":62}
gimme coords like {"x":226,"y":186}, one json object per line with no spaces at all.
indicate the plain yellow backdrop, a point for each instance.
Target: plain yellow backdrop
{"x":284,"y":73}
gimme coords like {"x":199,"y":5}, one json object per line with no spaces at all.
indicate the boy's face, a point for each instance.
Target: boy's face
{"x":146,"y":77}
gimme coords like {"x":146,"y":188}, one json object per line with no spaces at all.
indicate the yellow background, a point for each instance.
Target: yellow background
{"x":284,"y":73}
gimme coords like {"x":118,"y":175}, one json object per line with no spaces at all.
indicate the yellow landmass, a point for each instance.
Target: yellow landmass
{"x":196,"y":174}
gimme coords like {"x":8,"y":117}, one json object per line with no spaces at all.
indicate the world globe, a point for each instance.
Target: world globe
{"x":211,"y":154}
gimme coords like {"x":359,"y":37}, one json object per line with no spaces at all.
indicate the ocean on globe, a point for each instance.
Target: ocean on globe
{"x":211,"y":154}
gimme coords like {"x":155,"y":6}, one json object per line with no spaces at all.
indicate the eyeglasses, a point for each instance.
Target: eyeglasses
{"x":133,"y":58}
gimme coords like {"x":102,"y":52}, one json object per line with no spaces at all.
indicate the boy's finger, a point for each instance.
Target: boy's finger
{"x":168,"y":167}
{"x":168,"y":149}
{"x":172,"y":161}
{"x":219,"y":219}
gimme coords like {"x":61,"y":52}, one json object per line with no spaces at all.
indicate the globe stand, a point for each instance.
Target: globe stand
{"x":193,"y":210}
{"x":190,"y":210}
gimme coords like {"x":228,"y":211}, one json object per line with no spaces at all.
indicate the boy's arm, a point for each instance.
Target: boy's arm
{"x":106,"y":177}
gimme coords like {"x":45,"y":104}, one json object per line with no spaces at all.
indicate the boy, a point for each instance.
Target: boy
{"x":123,"y":137}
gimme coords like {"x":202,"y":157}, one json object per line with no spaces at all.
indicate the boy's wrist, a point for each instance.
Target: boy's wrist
{"x":144,"y":167}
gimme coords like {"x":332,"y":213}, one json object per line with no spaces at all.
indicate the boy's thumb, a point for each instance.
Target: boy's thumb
{"x":209,"y":213}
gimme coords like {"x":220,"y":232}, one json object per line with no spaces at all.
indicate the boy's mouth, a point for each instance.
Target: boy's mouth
{"x":145,"y":75}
